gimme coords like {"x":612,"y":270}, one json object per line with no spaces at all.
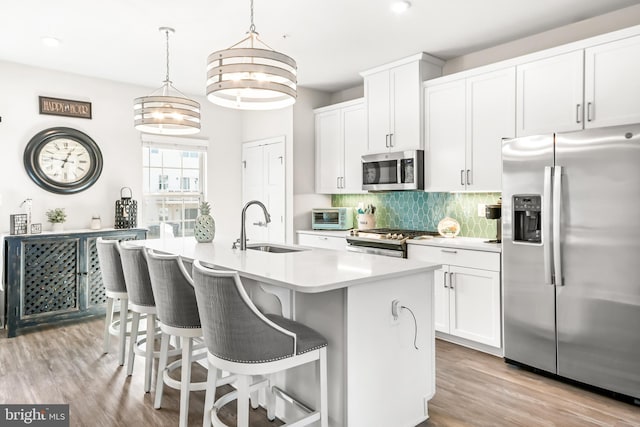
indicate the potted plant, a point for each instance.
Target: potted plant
{"x":57,"y":217}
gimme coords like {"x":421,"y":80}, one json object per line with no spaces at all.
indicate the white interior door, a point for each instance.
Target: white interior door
{"x":263,"y":179}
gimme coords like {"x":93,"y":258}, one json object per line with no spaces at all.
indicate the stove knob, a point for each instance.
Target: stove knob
{"x":400,"y":236}
{"x":394,"y":236}
{"x":388,"y":236}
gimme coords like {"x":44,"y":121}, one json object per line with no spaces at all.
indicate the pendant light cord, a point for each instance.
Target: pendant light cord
{"x":166,"y":31}
{"x":252,"y":28}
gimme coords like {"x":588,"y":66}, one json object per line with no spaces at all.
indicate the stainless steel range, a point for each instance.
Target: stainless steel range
{"x":384,"y":241}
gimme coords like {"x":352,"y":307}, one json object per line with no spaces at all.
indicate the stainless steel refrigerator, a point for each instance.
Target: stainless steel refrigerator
{"x":571,"y":255}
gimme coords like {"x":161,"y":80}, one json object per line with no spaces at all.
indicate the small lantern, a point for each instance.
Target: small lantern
{"x":126,"y":210}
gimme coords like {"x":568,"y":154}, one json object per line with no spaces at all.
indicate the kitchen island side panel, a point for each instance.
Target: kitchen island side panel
{"x":389,"y":360}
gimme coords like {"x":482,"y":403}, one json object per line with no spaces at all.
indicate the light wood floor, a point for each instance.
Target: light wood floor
{"x":66,"y":365}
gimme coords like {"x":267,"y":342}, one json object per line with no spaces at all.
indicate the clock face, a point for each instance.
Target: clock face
{"x":63,"y":160}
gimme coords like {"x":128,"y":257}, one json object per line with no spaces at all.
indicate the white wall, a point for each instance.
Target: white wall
{"x":602,"y":24}
{"x":304,"y":165}
{"x":112,"y":129}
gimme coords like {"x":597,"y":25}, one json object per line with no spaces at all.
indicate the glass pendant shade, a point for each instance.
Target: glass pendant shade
{"x":251,"y":76}
{"x":166,"y":111}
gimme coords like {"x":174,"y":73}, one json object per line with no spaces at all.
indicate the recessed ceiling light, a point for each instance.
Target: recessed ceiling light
{"x":400,"y":6}
{"x":50,"y":41}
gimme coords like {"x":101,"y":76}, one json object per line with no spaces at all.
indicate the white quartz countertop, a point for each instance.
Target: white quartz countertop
{"x":310,"y":270}
{"x":473,"y":243}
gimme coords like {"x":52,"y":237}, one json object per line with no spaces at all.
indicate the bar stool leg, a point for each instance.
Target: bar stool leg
{"x":243,"y":400}
{"x":148,"y":359}
{"x":209,"y":397}
{"x":107,"y":323}
{"x":270,"y":399}
{"x":124,"y":311}
{"x":162,"y":364}
{"x":135,"y":323}
{"x":185,"y":379}
{"x":323,"y":395}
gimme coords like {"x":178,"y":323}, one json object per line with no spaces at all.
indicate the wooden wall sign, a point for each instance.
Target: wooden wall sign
{"x":65,"y":107}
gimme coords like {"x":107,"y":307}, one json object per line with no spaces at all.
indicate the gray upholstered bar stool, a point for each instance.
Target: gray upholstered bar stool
{"x":243,"y":341}
{"x":115,"y":289}
{"x":178,"y":312}
{"x":141,"y":303}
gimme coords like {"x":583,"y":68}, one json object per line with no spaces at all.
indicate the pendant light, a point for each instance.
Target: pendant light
{"x":251,"y":76}
{"x":167,"y":111}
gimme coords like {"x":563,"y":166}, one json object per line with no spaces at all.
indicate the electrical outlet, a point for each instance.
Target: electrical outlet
{"x":482,"y":209}
{"x":395,"y":311}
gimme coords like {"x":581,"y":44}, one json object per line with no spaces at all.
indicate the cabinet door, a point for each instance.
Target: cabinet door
{"x":441,"y":299}
{"x":445,"y":125}
{"x":549,"y":95}
{"x":491,"y":116}
{"x":612,"y":86}
{"x":405,"y":107}
{"x":354,"y":132}
{"x":50,"y":277}
{"x":475,"y":305}
{"x":329,"y":152}
{"x":378,"y":100}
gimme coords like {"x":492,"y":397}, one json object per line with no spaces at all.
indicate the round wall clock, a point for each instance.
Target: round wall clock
{"x":63,"y":160}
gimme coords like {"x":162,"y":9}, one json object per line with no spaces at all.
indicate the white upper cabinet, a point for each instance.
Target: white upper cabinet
{"x":586,"y":88}
{"x":465,"y":121}
{"x":612,"y":83}
{"x":394,"y":102}
{"x":340,"y":142}
{"x":491,"y":116}
{"x":549,"y":94}
{"x":445,"y":136}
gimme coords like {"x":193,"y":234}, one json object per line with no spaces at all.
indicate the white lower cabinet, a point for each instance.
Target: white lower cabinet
{"x":322,"y":241}
{"x":467,"y":300}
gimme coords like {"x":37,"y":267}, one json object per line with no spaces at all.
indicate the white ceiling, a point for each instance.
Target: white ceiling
{"x":331,"y":40}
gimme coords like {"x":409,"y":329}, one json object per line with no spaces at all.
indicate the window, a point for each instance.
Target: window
{"x":172,"y":184}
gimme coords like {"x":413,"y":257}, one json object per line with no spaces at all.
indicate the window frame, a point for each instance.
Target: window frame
{"x":164,"y":198}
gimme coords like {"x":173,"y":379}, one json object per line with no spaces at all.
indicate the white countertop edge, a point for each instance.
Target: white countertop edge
{"x":328,"y":233}
{"x":472,"y":243}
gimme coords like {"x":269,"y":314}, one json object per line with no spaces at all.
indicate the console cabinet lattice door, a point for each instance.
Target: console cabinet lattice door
{"x":53,"y":278}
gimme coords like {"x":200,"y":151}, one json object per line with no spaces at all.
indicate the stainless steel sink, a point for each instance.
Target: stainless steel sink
{"x":276,"y":249}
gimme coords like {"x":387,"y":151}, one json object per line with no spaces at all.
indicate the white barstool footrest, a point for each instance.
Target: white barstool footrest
{"x":230,"y":397}
{"x":290,"y":399}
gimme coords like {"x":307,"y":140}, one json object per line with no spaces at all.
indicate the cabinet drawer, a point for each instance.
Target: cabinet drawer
{"x":324,"y":242}
{"x":453,"y":256}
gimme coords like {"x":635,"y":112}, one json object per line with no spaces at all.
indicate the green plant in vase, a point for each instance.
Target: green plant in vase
{"x":56,"y":217}
{"x":205,"y":228}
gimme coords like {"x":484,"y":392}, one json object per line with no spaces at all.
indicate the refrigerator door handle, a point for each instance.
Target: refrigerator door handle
{"x":546,"y":226}
{"x":557,"y":209}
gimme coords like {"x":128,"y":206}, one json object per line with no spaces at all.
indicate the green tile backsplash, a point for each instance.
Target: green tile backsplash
{"x":417,"y":210}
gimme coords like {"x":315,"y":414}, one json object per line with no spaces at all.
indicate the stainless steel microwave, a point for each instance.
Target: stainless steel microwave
{"x":401,"y":170}
{"x":332,"y":219}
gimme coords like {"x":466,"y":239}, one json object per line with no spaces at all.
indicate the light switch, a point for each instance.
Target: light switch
{"x":481,"y":209}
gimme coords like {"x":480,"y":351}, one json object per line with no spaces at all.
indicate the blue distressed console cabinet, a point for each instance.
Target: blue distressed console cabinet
{"x":54,"y":278}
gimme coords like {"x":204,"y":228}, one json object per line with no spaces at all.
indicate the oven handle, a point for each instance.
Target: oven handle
{"x":375,"y":251}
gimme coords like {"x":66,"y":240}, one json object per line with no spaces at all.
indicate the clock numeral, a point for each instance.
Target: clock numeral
{"x":80,"y":169}
{"x":82,"y":161}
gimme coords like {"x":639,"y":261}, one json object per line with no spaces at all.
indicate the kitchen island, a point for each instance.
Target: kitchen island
{"x":381,"y":369}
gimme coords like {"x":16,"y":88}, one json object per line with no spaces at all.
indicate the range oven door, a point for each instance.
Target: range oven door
{"x":397,"y":253}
